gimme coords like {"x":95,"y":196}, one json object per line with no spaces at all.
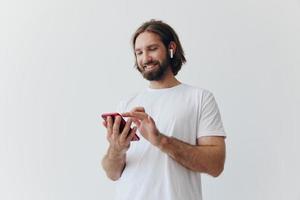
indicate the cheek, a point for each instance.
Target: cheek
{"x":139,"y":61}
{"x":160,"y":56}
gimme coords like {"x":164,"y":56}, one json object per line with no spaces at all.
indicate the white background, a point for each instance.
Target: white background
{"x":64,"y":62}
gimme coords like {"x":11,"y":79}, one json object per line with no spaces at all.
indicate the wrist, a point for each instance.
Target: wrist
{"x":115,"y":153}
{"x":162,"y":141}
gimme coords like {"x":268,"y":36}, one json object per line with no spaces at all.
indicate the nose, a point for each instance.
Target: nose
{"x":147,"y":57}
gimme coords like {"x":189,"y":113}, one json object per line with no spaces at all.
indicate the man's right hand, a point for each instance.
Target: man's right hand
{"x":119,"y":141}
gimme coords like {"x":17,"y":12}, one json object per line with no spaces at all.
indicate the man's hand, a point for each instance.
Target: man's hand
{"x":114,"y":161}
{"x":119,"y":141}
{"x":145,"y":124}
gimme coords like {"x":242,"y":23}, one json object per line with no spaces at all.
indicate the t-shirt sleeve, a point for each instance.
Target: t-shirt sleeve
{"x":209,"y":118}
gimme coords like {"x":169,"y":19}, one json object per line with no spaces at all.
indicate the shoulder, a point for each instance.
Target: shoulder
{"x":200,"y":95}
{"x":202,"y":92}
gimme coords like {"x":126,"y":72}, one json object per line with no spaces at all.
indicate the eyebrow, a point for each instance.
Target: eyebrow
{"x":149,"y":46}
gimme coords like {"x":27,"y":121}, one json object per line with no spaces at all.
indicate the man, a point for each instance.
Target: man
{"x":181,"y":128}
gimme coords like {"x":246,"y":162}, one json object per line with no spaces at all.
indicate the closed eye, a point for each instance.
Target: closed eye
{"x":138,"y":53}
{"x":152,"y":48}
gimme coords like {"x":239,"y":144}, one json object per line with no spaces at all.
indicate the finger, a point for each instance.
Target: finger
{"x":109,"y":125}
{"x":116,"y":126}
{"x":138,"y":115}
{"x":104,"y":123}
{"x":138,"y":109}
{"x":126,"y":129}
{"x":132,"y":134}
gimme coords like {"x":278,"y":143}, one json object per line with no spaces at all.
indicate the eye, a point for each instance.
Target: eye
{"x":138,"y":53}
{"x":152,"y":48}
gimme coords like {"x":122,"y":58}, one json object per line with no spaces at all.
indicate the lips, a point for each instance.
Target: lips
{"x":150,"y":66}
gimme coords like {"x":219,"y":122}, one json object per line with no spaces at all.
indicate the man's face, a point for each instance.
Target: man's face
{"x":151,"y":56}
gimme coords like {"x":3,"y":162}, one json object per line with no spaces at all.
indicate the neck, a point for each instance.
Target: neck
{"x":167,"y":81}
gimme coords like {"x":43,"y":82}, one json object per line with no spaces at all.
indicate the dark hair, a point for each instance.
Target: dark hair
{"x":167,"y":35}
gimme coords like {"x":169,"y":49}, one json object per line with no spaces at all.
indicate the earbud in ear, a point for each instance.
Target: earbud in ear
{"x":171,"y":53}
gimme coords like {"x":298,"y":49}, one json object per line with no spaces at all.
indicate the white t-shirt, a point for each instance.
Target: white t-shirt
{"x":184,"y":112}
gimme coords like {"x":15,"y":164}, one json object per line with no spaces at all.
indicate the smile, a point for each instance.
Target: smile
{"x":150,"y":67}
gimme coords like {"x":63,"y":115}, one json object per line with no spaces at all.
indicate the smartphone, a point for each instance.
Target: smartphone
{"x":122,"y":124}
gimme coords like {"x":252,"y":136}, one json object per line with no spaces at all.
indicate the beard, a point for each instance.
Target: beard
{"x":157,"y":73}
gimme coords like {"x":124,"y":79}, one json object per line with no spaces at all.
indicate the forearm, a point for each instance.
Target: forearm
{"x":200,"y":158}
{"x":114,"y":163}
